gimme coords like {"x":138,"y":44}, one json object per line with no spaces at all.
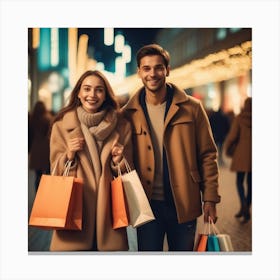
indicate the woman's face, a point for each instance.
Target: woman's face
{"x":92,"y":93}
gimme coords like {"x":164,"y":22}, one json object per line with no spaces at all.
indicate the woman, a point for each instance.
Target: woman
{"x":238,"y":144}
{"x":91,"y":132}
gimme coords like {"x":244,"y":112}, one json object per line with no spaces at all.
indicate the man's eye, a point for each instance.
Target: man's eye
{"x":159,"y":68}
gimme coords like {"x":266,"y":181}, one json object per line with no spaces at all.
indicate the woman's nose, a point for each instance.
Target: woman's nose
{"x":93,"y":93}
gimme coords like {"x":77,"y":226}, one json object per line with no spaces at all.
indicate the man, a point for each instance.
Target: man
{"x":174,"y":155}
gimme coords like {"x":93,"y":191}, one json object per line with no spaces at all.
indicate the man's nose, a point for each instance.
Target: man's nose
{"x":152,"y":72}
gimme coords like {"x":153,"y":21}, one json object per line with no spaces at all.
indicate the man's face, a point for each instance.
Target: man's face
{"x":153,"y":72}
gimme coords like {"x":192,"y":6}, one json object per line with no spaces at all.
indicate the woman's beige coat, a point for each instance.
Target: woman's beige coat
{"x":97,"y":218}
{"x":190,"y":150}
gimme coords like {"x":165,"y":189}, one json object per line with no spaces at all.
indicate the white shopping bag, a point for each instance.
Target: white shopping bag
{"x":225,"y":243}
{"x":224,"y":240}
{"x":139,"y":208}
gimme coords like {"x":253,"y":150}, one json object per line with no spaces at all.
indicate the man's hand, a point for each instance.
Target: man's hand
{"x":209,"y":209}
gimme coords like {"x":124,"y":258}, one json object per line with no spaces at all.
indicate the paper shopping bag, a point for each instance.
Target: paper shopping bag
{"x":225,"y":243}
{"x":202,"y":239}
{"x":202,"y":243}
{"x":139,"y":208}
{"x":213,"y":243}
{"x":58,"y":203}
{"x":224,"y":240}
{"x":118,"y":204}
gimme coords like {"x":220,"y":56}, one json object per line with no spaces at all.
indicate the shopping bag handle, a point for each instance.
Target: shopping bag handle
{"x":210,"y":227}
{"x":67,"y":167}
{"x":206,"y":228}
{"x":214,"y":228}
{"x":119,"y":170}
{"x":128,"y":169}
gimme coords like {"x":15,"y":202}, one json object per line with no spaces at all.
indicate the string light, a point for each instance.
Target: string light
{"x":108,"y":36}
{"x":119,"y":43}
{"x":216,"y":67}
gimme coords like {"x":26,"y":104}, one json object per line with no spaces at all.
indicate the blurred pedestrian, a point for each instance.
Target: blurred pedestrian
{"x":29,"y":132}
{"x":38,"y":141}
{"x":238,"y":145}
{"x":220,"y":127}
{"x":174,"y":154}
{"x":91,"y":132}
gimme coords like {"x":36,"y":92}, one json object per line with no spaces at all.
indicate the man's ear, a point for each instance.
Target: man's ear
{"x":167,"y":71}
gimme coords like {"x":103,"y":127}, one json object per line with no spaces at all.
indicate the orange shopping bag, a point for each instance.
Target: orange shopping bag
{"x":118,"y":203}
{"x":202,"y":239}
{"x":202,"y":244}
{"x":58,"y":203}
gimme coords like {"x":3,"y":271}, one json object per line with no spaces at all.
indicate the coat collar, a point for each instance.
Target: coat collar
{"x":72,"y":124}
{"x":179,"y":96}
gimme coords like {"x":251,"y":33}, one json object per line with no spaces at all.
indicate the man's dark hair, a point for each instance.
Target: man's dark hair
{"x":153,"y":49}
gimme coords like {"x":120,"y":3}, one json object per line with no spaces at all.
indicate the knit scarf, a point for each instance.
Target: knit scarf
{"x":96,"y":128}
{"x":100,"y":124}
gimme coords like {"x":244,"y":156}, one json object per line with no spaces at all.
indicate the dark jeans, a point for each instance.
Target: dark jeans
{"x":180,"y":237}
{"x":244,"y":198}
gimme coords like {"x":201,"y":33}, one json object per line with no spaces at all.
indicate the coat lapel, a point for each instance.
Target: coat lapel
{"x":170,"y":114}
{"x":72,"y":125}
{"x":136,"y":112}
{"x":178,"y":98}
{"x":140,"y":121}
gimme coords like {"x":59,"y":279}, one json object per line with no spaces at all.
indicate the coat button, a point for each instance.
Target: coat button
{"x":149,"y":147}
{"x":149,"y":168}
{"x":145,"y":133}
{"x":148,"y":182}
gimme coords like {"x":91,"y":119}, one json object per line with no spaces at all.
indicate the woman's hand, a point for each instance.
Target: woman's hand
{"x":117,"y":152}
{"x":74,"y":145}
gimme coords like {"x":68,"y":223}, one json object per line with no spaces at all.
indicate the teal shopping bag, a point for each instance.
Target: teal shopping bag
{"x":213,"y":243}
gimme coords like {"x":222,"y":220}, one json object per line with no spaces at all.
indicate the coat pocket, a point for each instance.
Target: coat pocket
{"x":182,"y":121}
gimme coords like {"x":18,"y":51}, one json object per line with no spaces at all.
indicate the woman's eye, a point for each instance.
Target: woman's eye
{"x":99,"y":90}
